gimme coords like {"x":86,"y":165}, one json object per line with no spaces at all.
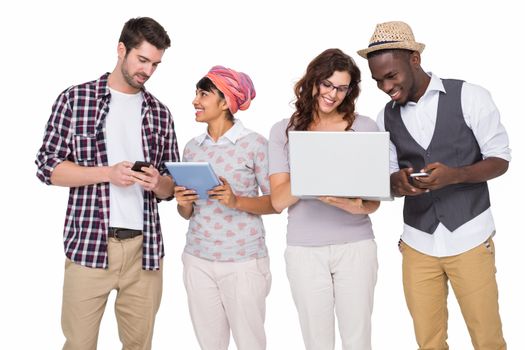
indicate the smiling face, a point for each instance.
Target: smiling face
{"x":332,"y":92}
{"x":396,"y":74}
{"x":209,"y":106}
{"x":138,"y":65}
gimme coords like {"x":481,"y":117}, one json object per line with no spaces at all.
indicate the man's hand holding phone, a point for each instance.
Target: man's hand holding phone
{"x":145,"y":175}
{"x":139,"y":165}
{"x":402,"y":183}
{"x":417,"y":177}
{"x":440,"y":175}
{"x":421,"y":174}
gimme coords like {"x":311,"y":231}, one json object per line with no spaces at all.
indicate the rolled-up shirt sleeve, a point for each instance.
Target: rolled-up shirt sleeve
{"x":56,"y":144}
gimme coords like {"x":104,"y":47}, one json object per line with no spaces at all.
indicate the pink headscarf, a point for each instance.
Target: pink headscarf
{"x":237,"y":87}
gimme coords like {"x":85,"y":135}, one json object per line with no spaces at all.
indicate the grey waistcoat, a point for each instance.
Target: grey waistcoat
{"x":452,"y":144}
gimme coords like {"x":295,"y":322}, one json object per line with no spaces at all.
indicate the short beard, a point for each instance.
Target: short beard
{"x":129,"y":78}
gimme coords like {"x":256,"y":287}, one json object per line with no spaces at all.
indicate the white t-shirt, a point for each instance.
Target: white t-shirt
{"x":124,"y":142}
{"x":482,"y":116}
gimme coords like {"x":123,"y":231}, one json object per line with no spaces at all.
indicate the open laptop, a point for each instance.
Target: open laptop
{"x":340,"y":164}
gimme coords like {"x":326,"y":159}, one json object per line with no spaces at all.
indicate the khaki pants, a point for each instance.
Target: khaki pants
{"x":473,"y":278}
{"x":227,"y":295}
{"x":86,"y":291}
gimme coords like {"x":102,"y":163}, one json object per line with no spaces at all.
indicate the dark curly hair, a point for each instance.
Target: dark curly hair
{"x":321,"y":68}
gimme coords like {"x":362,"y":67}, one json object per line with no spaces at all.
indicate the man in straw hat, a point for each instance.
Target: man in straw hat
{"x":450,"y":131}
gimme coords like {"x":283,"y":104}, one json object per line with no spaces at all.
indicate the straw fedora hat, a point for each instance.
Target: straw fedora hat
{"x":392,"y":35}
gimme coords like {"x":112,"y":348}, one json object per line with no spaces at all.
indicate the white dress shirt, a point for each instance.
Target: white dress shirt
{"x":482,"y":116}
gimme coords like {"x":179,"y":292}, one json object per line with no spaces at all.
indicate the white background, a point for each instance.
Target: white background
{"x":50,"y":45}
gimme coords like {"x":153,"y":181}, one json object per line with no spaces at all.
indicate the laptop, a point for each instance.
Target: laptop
{"x":340,"y":164}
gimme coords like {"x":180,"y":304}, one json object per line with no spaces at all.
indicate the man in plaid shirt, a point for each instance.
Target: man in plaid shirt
{"x":112,"y":234}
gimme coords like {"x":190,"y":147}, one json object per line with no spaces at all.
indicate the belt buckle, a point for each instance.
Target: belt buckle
{"x":115,"y":233}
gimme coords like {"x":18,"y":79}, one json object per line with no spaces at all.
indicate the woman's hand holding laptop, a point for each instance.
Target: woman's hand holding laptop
{"x":351,"y":205}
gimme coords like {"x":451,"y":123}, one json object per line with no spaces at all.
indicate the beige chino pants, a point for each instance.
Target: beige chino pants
{"x":473,"y":278}
{"x":86,"y":292}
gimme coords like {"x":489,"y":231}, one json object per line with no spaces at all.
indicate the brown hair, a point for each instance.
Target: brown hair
{"x":321,"y":68}
{"x":136,"y":30}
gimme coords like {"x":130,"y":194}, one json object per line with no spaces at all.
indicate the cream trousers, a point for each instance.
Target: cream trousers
{"x":224,"y":296}
{"x":338,"y":278}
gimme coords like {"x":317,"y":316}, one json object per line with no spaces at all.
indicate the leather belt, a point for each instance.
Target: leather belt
{"x":123,"y":233}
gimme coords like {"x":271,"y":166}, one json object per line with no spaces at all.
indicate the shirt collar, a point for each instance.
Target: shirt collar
{"x":232,"y":135}
{"x":102,"y":89}
{"x":435,"y":84}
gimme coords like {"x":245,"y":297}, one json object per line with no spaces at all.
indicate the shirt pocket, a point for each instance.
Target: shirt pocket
{"x":85,"y":149}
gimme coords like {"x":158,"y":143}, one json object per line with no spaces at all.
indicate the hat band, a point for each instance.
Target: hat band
{"x":383,"y":42}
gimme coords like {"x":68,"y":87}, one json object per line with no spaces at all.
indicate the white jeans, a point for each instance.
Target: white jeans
{"x":339,"y":276}
{"x":227,"y":295}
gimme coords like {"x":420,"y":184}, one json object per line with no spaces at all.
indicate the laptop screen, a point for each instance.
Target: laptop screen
{"x":339,"y":163}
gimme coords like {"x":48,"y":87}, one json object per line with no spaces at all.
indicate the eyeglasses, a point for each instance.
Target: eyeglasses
{"x":327,"y":86}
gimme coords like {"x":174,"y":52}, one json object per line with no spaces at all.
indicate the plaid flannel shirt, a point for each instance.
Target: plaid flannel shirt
{"x":76,"y":132}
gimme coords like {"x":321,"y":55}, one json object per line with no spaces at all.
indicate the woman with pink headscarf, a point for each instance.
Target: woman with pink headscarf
{"x":226,"y":267}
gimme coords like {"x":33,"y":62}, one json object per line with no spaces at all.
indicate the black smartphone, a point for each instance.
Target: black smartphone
{"x":138,"y":166}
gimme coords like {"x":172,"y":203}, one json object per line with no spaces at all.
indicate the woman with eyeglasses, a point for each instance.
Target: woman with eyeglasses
{"x":331,"y":255}
{"x":226,"y":267}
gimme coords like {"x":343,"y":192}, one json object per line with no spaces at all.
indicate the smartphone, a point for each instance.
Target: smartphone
{"x":419,"y":174}
{"x":138,"y":166}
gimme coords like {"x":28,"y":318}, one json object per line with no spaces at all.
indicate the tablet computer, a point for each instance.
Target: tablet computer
{"x":197,"y":176}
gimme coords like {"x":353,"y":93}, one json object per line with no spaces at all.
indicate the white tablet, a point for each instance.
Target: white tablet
{"x":197,"y":176}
